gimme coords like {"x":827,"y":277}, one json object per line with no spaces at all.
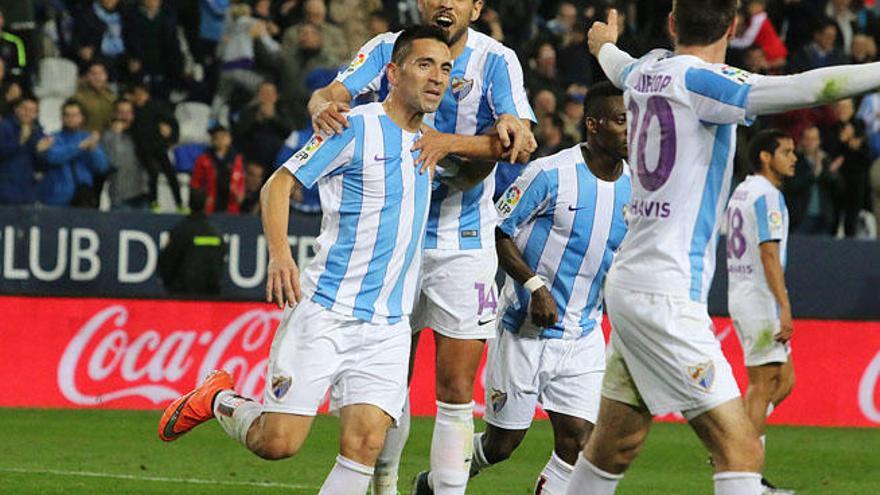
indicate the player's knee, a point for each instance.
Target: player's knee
{"x":364,"y":446}
{"x":456,"y":389}
{"x":624,"y":451}
{"x":500,"y":449}
{"x":786,"y":384}
{"x":743,"y":453}
{"x":276,"y":448}
{"x":568,"y":447}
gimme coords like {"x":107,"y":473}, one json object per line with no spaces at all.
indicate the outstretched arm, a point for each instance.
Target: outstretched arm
{"x":775,"y":94}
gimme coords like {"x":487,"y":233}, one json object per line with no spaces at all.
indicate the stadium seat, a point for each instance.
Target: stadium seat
{"x":194,"y":118}
{"x":56,"y":77}
{"x":185,"y":155}
{"x":50,"y":113}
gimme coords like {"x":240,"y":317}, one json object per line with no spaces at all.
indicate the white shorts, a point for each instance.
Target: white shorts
{"x":564,"y":376}
{"x":316,"y":349}
{"x":458,"y":297}
{"x":757,"y":337}
{"x":664,"y":355}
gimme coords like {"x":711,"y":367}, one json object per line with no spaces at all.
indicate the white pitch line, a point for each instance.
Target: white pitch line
{"x":196,"y":481}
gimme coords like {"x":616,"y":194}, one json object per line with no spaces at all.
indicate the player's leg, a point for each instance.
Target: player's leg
{"x":361,"y":439}
{"x":570,"y":434}
{"x":785,"y":384}
{"x":494,"y":445}
{"x":763,"y":383}
{"x":731,"y":439}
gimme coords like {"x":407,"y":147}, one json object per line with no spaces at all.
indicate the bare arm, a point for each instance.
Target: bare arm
{"x":770,"y":259}
{"x":542,"y":308}
{"x":282,"y":277}
{"x":328,"y":106}
{"x":435,"y":146}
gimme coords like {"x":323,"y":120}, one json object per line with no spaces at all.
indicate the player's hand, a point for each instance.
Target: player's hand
{"x":786,"y":326}
{"x":282,"y":282}
{"x":543,"y":308}
{"x":330,"y":118}
{"x":516,"y":138}
{"x":602,"y":32}
{"x":433,"y":147}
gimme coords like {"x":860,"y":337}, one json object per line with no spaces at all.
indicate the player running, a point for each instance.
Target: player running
{"x":564,"y":222}
{"x":349,"y":330}
{"x":757,"y":241}
{"x":458,"y":296}
{"x":683,"y":108}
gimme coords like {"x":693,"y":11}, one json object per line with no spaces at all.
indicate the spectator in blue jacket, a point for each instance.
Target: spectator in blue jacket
{"x":22,"y":142}
{"x":76,"y":165}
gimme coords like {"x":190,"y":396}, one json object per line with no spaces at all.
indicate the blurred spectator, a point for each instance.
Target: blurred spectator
{"x":10,"y":91}
{"x":846,"y":139}
{"x":237,"y":56}
{"x":76,"y":164}
{"x":869,"y":114}
{"x":564,"y":23}
{"x":253,"y":182}
{"x":14,"y":53}
{"x":573,"y":118}
{"x":552,"y":139}
{"x":542,"y":73}
{"x":128,"y":182}
{"x":332,"y":38}
{"x":96,"y":98}
{"x":98,"y":34}
{"x":154,"y":130}
{"x":262,"y":11}
{"x":544,"y":103}
{"x":864,"y":49}
{"x":295,"y":62}
{"x":152,"y":47}
{"x":353,"y":17}
{"x":795,"y":20}
{"x":810,"y":194}
{"x":379,"y":24}
{"x":822,"y":52}
{"x":212,"y":14}
{"x":219,"y":172}
{"x":193,"y":260}
{"x":759,"y":30}
{"x":490,"y":23}
{"x":22,"y":143}
{"x":261,"y":130}
{"x":850,"y":21}
{"x":574,"y":63}
{"x":875,"y":192}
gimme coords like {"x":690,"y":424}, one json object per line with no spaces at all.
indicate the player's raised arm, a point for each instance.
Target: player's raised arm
{"x":602,"y":39}
{"x":774,"y":94}
{"x":282,"y":275}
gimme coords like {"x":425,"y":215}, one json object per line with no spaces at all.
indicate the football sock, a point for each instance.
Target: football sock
{"x":554,"y":478}
{"x":451,"y":448}
{"x":478,"y":462}
{"x":587,"y":478}
{"x":236,"y":414}
{"x":737,"y":483}
{"x":388,"y":462}
{"x":347,"y":478}
{"x":764,"y":442}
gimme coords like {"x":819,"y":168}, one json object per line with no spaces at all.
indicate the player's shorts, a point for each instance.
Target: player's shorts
{"x":758,"y":339}
{"x":316,"y":349}
{"x":563,"y":375}
{"x":458,"y":297}
{"x":664,"y":355}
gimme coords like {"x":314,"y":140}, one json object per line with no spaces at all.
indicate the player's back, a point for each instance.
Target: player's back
{"x":756,"y":213}
{"x":682,"y":113}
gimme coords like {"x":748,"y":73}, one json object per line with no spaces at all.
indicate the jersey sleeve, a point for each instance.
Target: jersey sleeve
{"x":321,"y":156}
{"x":769,"y":218}
{"x":524,"y":200}
{"x":364,"y":73}
{"x":720,"y":94}
{"x":504,"y":77}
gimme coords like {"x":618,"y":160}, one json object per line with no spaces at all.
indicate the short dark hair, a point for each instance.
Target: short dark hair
{"x":23,"y":98}
{"x":595,"y":105}
{"x":407,"y":36}
{"x":767,"y":140}
{"x":703,"y":22}
{"x":70,"y":102}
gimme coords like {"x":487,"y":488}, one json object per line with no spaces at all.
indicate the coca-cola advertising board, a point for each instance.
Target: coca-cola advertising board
{"x":140,"y":354}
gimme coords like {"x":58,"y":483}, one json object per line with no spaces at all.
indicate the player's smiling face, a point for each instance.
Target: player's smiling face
{"x":452,"y":16}
{"x":424,"y":75}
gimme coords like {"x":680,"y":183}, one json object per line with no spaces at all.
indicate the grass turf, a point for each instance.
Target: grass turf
{"x":89,"y":452}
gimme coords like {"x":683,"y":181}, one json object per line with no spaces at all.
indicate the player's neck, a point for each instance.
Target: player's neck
{"x":603,"y":165}
{"x":714,"y":53}
{"x":407,"y":118}
{"x":457,"y":48}
{"x":772,"y":177}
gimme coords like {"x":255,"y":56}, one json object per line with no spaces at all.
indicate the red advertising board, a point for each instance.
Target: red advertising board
{"x":137,"y":354}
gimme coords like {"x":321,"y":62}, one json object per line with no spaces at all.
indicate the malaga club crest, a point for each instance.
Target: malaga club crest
{"x":703,"y":374}
{"x":498,"y":400}
{"x":461,"y":87}
{"x":280,"y":385}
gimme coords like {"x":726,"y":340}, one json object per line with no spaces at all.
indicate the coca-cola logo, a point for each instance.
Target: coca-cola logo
{"x":106,"y":361}
{"x":868,"y":388}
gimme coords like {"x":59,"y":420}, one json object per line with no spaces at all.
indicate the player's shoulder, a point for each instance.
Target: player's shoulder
{"x":486,"y":46}
{"x":701,"y":73}
{"x":367,"y":109}
{"x":566,"y":158}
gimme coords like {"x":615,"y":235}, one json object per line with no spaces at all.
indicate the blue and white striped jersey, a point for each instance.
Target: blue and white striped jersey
{"x":756,"y":213}
{"x":683,"y":113}
{"x":486,"y":82}
{"x":567,"y":224}
{"x":375,"y":207}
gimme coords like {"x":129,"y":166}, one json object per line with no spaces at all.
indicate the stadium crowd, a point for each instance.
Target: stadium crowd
{"x":103,"y":96}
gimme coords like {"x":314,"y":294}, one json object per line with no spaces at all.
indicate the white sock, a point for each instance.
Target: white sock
{"x":737,"y":483}
{"x":554,"y":478}
{"x":388,"y":462}
{"x":236,"y":414}
{"x":770,"y":408}
{"x":347,"y":478}
{"x":764,"y":442}
{"x":451,"y":448}
{"x":478,"y":462}
{"x":587,"y":478}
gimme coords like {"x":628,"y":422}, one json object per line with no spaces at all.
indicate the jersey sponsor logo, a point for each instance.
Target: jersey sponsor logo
{"x":310,"y":148}
{"x":509,"y":201}
{"x":498,"y":399}
{"x":461,"y":87}
{"x":703,"y":374}
{"x":280,"y":385}
{"x":734,"y":74}
{"x":356,"y":63}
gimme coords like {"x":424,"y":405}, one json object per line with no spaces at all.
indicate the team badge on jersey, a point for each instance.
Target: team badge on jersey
{"x":280,"y":385}
{"x":703,"y":374}
{"x":461,"y":87}
{"x":774,"y":218}
{"x":498,"y":399}
{"x":736,"y":75}
{"x":508,"y":202}
{"x":357,"y":62}
{"x":309,"y":149}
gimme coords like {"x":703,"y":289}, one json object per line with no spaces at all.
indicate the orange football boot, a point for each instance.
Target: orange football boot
{"x":194,"y":408}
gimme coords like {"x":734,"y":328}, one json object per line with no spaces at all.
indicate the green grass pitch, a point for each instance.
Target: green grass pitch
{"x":118,"y":452}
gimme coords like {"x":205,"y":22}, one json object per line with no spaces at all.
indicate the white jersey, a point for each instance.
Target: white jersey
{"x":375,"y":207}
{"x":567,"y":224}
{"x":756,"y":214}
{"x":486,"y":82}
{"x":683,"y":114}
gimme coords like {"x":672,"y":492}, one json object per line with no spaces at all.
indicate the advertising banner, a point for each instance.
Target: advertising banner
{"x":141,"y":354}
